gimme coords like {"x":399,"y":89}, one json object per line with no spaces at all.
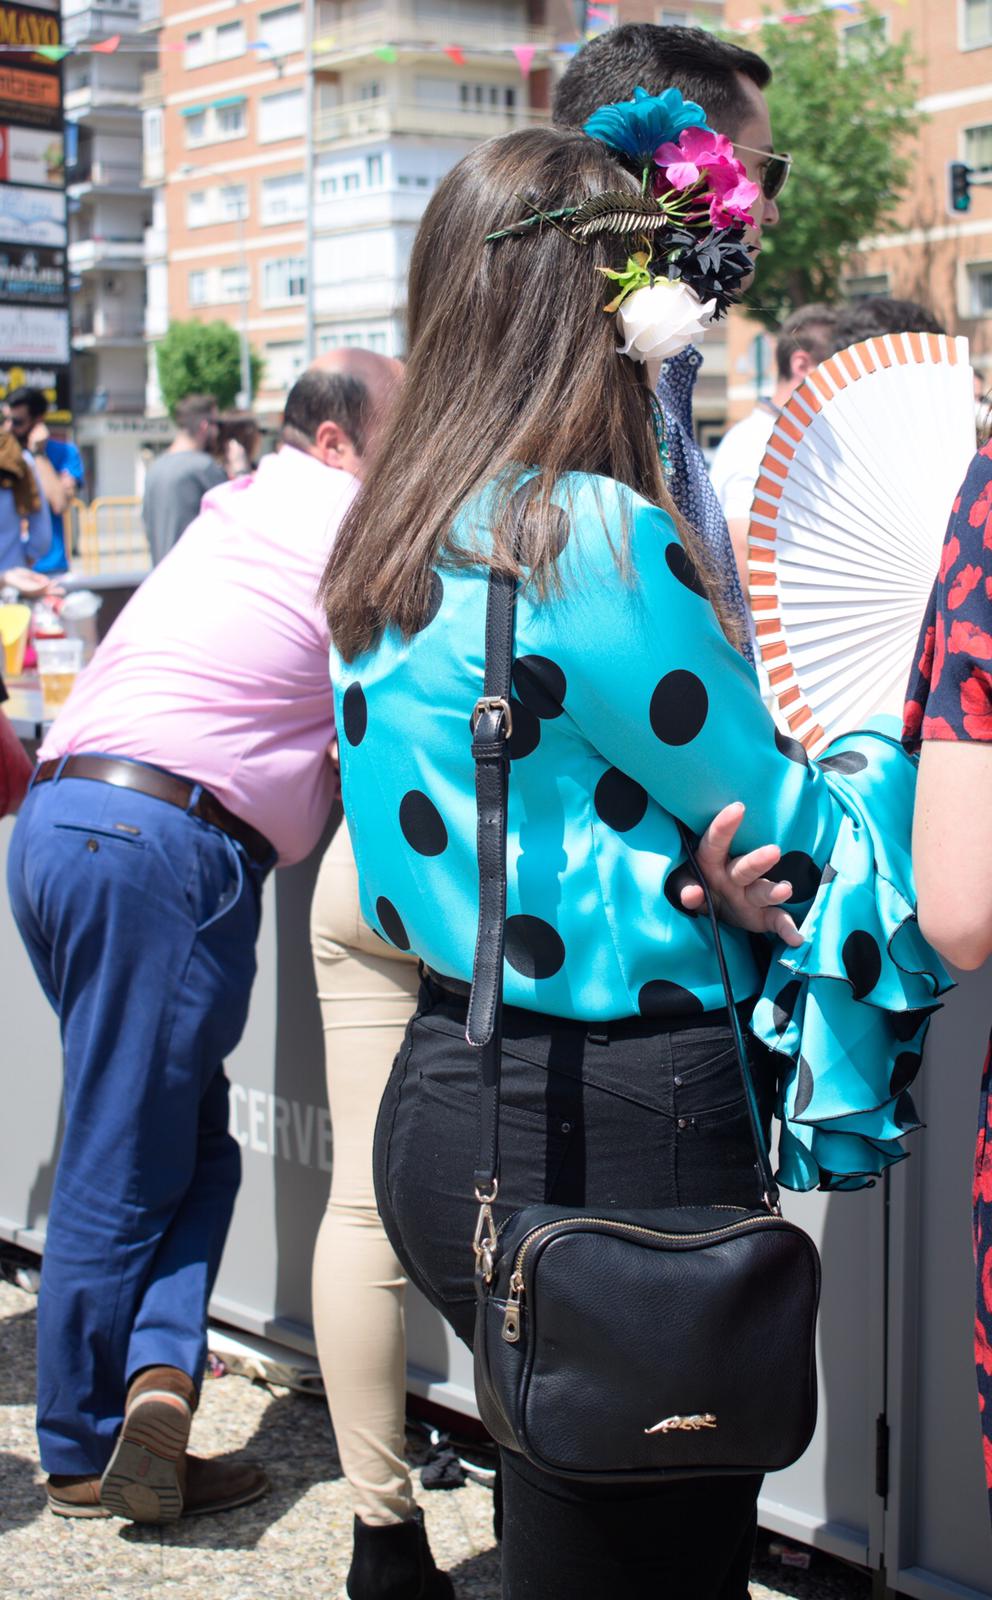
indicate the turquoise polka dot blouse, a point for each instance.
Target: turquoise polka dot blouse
{"x":630,"y":708}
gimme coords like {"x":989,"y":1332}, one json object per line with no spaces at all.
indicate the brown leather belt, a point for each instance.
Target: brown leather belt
{"x":160,"y":785}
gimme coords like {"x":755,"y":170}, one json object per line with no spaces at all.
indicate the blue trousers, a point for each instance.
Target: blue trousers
{"x":141,"y":922}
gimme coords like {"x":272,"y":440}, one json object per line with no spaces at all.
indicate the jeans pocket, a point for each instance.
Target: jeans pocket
{"x":218,"y":882}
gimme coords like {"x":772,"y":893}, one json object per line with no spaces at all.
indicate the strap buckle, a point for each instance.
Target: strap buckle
{"x":484,"y":1238}
{"x":494,"y":702}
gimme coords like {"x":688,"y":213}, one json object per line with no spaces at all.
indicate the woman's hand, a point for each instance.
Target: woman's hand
{"x":742,"y":895}
{"x":27,"y":582}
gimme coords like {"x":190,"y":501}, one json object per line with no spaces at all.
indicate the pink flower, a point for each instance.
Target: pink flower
{"x":697,"y":149}
{"x":733,"y":204}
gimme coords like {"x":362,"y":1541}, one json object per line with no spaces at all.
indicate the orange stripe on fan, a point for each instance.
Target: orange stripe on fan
{"x":778,"y":467}
{"x":779,"y":674}
{"x":795,"y":411}
{"x":770,"y":625}
{"x":899,"y":345}
{"x":789,"y":697}
{"x":866,"y":351}
{"x":799,"y":717}
{"x":763,"y":603}
{"x":952,"y":351}
{"x":771,"y":652}
{"x":819,"y":386}
{"x":764,"y":578}
{"x":809,"y":739}
{"x":882,"y":351}
{"x":762,"y":508}
{"x":789,"y":429}
{"x":836,"y":372}
{"x":850,"y":364}
{"x":916,"y":345}
{"x":756,"y":553}
{"x":766,"y":486}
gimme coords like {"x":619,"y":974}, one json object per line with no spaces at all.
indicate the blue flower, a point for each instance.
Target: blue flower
{"x":637,"y":127}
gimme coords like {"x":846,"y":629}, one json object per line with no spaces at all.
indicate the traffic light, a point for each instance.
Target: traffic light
{"x":958,"y":186}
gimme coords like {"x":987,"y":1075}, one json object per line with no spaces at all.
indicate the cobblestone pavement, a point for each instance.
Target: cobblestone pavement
{"x":295,"y":1543}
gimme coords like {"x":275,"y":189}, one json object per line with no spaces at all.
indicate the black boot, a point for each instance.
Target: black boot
{"x":395,"y":1563}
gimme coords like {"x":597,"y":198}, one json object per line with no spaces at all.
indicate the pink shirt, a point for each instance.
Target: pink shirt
{"x":217,"y":668}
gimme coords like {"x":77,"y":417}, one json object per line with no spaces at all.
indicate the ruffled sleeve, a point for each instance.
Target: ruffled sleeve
{"x":848,"y":1011}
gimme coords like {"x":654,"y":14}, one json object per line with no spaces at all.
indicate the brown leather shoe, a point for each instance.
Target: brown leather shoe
{"x":143,"y":1478}
{"x":75,"y":1496}
{"x":220,"y":1485}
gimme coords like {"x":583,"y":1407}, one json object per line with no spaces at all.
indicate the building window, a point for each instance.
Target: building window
{"x":282,"y":30}
{"x":976,"y":17}
{"x":233,"y":202}
{"x":373,"y":171}
{"x":866,"y":287}
{"x":230,"y":121}
{"x":197,"y":209}
{"x":197,"y":54}
{"x":197,"y":288}
{"x":284,"y":197}
{"x":152,"y":131}
{"x":284,"y":280}
{"x":327,"y":186}
{"x":978,"y":146}
{"x":281,"y":116}
{"x":672,"y":19}
{"x":371,"y":89}
{"x":979,"y":289}
{"x":351,"y":180}
{"x":283,"y":364}
{"x":196,"y":128}
{"x":233,"y":283}
{"x":859,"y":35}
{"x":229,"y":41}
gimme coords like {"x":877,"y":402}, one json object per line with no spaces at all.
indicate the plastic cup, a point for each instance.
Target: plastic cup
{"x":14,"y":625}
{"x":59,"y":663}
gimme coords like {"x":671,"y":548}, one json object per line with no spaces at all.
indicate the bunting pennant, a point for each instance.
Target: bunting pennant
{"x":387,"y":52}
{"x":525,"y":54}
{"x":455,"y":53}
{"x":108,"y":46}
{"x":51,"y":52}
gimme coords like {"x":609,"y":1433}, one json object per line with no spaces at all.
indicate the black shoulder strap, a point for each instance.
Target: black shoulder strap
{"x":492,"y":725}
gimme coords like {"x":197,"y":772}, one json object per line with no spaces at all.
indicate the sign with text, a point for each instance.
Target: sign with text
{"x":27,"y":25}
{"x":34,"y":97}
{"x":28,"y":334}
{"x":32,"y":155}
{"x":32,"y":274}
{"x":50,"y":376}
{"x":32,"y":216}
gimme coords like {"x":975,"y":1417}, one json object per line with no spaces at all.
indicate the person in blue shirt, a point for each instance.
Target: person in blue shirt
{"x":523,"y":440}
{"x":58,"y":464}
{"x":729,"y":83}
{"x":25,"y":521}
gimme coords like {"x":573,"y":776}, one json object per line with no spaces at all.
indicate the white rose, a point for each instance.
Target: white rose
{"x":661,"y":320}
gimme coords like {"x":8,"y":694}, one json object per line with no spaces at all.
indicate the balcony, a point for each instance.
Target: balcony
{"x":117,"y":177}
{"x":86,"y":255}
{"x":93,"y":325}
{"x":381,"y":119}
{"x":150,"y":14}
{"x":411,"y":27}
{"x":371,"y":208}
{"x":118,"y":401}
{"x":98,"y":21}
{"x":152,"y":88}
{"x":360,"y":299}
{"x":101,"y":101}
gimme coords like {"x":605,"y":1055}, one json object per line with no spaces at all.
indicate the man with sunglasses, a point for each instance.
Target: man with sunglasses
{"x":729,"y":84}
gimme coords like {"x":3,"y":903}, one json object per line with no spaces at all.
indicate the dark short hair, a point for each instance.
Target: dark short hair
{"x":193,"y":410}
{"x":641,"y":55}
{"x":877,"y":314}
{"x":320,"y":396}
{"x":810,"y":328}
{"x":34,"y":399}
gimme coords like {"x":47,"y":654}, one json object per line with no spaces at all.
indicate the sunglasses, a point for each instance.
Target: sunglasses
{"x":774,"y":171}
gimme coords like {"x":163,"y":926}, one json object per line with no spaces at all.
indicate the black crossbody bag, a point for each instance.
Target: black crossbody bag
{"x":625,"y":1345}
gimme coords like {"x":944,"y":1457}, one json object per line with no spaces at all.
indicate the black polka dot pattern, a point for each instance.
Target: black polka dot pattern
{"x":523,"y":521}
{"x":660,"y":998}
{"x":679,"y":708}
{"x":392,"y":923}
{"x":681,"y":567}
{"x":526,"y":735}
{"x":422,"y":824}
{"x":533,"y":948}
{"x":540,"y":684}
{"x":847,"y":761}
{"x":906,"y":1113}
{"x":791,"y":748}
{"x":355,"y":713}
{"x":784,"y":1005}
{"x":862,"y":962}
{"x":906,"y":1024}
{"x":435,"y":600}
{"x":804,"y":1087}
{"x":620,"y":801}
{"x":678,"y":879}
{"x":799,"y":869}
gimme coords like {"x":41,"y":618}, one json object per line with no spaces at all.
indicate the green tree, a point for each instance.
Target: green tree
{"x":844,"y":109}
{"x":202,"y":358}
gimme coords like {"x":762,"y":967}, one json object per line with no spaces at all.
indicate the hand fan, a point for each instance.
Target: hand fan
{"x":849,"y":514}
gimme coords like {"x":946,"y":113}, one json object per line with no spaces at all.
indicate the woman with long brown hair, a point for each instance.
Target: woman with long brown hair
{"x":526,"y":443}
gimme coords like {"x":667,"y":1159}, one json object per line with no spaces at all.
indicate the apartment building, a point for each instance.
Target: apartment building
{"x":931,"y":254}
{"x":108,"y":214}
{"x":363,"y":107}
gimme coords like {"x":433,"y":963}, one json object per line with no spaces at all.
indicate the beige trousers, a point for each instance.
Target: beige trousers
{"x":367,"y":994}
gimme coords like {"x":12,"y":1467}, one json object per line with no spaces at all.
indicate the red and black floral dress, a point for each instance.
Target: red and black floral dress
{"x":950,"y":697}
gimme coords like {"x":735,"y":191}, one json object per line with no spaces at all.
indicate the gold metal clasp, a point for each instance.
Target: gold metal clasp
{"x":493,"y":702}
{"x":484,"y":1238}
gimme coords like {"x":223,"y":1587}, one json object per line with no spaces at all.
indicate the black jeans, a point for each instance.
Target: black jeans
{"x":615,"y":1114}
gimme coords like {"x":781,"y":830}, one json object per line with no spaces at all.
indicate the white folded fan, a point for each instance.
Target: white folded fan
{"x":849,"y":514}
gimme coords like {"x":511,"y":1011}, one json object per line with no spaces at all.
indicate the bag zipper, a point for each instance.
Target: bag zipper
{"x":511,"y":1316}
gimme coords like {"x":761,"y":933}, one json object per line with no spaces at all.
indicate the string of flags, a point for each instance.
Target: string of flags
{"x":598,"y":18}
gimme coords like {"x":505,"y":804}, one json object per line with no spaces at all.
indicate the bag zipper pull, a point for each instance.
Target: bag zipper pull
{"x":511,"y":1316}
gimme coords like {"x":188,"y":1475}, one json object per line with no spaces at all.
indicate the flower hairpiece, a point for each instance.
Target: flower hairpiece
{"x":689,"y":220}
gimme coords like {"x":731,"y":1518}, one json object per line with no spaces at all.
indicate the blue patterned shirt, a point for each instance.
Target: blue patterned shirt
{"x":690,"y":485}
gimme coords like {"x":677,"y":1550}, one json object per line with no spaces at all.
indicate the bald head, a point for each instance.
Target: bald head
{"x":334,"y":410}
